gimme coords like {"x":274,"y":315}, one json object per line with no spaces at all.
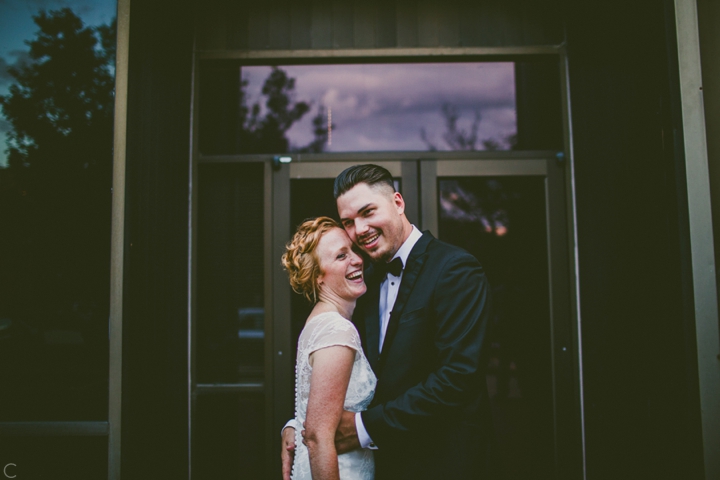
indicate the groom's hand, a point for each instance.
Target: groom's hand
{"x":288,"y":451}
{"x":346,"y":437}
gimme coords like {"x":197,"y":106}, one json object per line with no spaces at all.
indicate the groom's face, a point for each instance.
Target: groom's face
{"x":372,"y":217}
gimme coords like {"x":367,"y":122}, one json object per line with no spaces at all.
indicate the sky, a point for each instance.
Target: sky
{"x":383,"y":107}
{"x":16,"y":26}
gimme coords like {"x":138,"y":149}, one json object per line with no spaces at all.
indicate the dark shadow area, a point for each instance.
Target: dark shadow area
{"x":229,"y":436}
{"x":502,"y":222}
{"x":52,"y":458}
{"x":639,"y":361}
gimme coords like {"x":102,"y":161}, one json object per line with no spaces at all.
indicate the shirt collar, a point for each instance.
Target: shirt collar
{"x":404,"y":251}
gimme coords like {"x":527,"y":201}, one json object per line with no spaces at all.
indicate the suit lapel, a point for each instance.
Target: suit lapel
{"x":412,"y":270}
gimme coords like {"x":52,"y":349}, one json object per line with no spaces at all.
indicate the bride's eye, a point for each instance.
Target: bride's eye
{"x":341,"y":256}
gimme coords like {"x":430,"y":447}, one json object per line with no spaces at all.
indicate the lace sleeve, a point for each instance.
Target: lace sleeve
{"x":332,"y":331}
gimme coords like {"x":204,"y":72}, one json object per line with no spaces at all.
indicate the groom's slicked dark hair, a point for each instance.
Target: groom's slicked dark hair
{"x":368,"y":174}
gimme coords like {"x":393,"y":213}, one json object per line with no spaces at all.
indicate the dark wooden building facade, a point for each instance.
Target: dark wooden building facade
{"x":604,"y":138}
{"x":625,"y":363}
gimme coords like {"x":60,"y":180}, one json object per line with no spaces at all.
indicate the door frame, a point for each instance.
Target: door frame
{"x":276,"y":194}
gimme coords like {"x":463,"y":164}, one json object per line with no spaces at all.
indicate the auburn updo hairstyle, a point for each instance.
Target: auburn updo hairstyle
{"x":301,"y":262}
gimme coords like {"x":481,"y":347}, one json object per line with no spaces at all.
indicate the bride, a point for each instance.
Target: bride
{"x":332,"y":373}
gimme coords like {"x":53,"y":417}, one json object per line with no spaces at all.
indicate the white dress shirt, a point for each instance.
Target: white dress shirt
{"x":389,"y":289}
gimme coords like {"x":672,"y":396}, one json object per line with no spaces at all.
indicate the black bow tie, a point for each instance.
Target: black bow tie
{"x":395,"y":267}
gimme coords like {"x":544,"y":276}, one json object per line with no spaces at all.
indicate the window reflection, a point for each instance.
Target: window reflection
{"x":501,"y":221}
{"x":231,"y":318}
{"x":55,"y":192}
{"x":359,"y":107}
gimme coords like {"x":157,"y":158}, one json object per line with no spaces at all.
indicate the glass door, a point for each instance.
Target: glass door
{"x":510,"y":214}
{"x":231,"y":378}
{"x":507,"y":209}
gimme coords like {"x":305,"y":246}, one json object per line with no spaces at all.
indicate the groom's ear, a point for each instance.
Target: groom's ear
{"x":399,"y":202}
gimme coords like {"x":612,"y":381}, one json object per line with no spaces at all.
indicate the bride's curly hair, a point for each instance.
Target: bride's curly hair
{"x":300,"y":260}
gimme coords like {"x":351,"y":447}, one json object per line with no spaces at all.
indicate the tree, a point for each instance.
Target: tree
{"x":62,"y":100}
{"x":264,"y":131}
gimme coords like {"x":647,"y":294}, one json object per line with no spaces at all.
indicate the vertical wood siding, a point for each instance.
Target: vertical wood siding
{"x":338,"y":24}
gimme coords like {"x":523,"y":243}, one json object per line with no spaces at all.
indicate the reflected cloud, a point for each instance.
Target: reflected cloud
{"x":383,"y":107}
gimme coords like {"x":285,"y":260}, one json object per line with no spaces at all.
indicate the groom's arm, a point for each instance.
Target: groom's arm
{"x":461,"y":311}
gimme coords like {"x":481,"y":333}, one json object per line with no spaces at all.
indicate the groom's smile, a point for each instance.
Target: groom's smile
{"x":369,"y":241}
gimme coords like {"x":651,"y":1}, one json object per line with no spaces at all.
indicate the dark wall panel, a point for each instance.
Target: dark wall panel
{"x":331,"y":24}
{"x":300,"y":24}
{"x":407,"y":29}
{"x":154,"y":395}
{"x":641,"y":403}
{"x":322,"y":24}
{"x":279,"y":24}
{"x":258,"y":27}
{"x":363,"y":24}
{"x":237,"y":38}
{"x":342,"y":18}
{"x":386,"y":25}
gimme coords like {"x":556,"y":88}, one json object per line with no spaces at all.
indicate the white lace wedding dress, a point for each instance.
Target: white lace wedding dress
{"x":325,"y":330}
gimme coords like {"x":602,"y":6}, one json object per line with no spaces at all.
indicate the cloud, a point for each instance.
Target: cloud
{"x":384,"y":106}
{"x":20,"y":58}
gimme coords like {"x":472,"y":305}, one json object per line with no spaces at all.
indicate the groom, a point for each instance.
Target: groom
{"x":423,"y":323}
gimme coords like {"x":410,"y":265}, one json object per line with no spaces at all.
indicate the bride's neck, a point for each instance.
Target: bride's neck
{"x":329,"y":304}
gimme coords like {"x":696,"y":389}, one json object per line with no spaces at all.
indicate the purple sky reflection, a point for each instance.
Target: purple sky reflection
{"x":382,"y":107}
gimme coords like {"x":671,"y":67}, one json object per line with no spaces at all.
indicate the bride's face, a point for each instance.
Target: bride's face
{"x":341,"y":267}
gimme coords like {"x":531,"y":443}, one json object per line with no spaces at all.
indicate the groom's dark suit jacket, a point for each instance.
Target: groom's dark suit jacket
{"x":429,"y":417}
